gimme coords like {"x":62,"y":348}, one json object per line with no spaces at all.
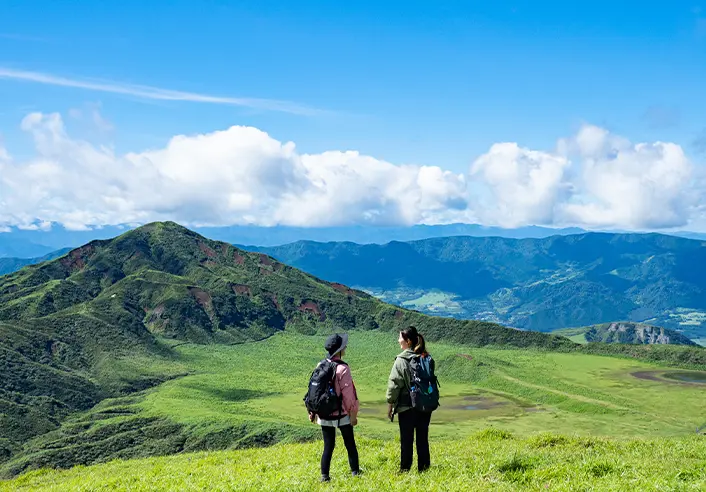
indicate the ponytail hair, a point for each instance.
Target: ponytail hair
{"x":416,"y":339}
{"x":421,"y":347}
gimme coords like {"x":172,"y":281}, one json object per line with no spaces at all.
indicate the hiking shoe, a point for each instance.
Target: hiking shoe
{"x":357,"y":473}
{"x":325,"y":478}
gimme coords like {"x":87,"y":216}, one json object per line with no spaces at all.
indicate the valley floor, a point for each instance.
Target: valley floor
{"x":521,"y":391}
{"x":489,"y":460}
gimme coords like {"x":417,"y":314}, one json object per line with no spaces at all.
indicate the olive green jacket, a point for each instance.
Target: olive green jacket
{"x":400,"y":381}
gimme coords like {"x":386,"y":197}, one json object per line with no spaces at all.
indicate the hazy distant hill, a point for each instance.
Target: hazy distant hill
{"x":625,"y":332}
{"x":12,"y":246}
{"x":539,"y":284}
{"x":9,"y":265}
{"x":58,"y":237}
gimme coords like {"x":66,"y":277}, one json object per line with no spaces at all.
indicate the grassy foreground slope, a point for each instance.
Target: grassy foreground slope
{"x":489,"y":460}
{"x":250,"y":395}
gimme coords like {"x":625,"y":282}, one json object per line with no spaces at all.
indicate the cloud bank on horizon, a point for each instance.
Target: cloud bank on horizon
{"x":241,"y":175}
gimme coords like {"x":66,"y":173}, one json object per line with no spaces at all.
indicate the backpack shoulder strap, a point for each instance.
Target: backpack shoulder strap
{"x":333,"y":363}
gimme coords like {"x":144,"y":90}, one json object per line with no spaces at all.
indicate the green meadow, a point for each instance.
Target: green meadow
{"x":521,"y":391}
{"x":250,"y":396}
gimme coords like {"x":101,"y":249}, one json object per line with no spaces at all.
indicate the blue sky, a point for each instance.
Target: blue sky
{"x":425,"y":83}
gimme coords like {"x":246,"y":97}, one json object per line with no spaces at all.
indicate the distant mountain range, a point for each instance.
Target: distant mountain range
{"x":9,"y":265}
{"x":625,"y":332}
{"x":538,"y":284}
{"x":33,"y":243}
{"x":533,"y":283}
{"x":17,"y":247}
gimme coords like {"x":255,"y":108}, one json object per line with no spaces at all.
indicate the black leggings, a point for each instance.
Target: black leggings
{"x":411,"y":420}
{"x":330,"y":443}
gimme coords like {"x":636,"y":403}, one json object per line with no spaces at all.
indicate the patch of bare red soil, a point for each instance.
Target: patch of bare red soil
{"x":202,"y":297}
{"x":242,"y":289}
{"x":207,"y":250}
{"x":313,"y":308}
{"x":76,"y":259}
{"x":343,"y":288}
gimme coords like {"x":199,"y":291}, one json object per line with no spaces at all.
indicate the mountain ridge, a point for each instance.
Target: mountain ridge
{"x":541,"y":284}
{"x":58,"y":237}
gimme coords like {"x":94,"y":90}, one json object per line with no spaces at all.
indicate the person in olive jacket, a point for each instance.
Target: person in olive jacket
{"x":399,"y":401}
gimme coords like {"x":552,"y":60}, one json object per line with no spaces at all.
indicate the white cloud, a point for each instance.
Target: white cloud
{"x":347,"y":187}
{"x":525,"y":184}
{"x":243,"y":176}
{"x":37,"y":226}
{"x":239,"y":175}
{"x":593,"y":179}
{"x":639,"y":186}
{"x":147,"y":92}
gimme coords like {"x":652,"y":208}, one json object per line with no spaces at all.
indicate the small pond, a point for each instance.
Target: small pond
{"x":686,"y":376}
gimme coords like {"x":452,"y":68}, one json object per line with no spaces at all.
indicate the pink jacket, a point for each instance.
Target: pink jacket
{"x":345,"y":388}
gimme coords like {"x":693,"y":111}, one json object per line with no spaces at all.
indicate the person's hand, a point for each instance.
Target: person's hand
{"x":312,"y":417}
{"x":390,"y":410}
{"x":354,"y":421}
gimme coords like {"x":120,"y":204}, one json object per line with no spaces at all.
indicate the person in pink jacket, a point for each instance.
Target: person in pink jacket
{"x":345,"y":419}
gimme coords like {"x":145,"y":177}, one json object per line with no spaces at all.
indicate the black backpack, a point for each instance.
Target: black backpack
{"x":321,"y":398}
{"x":424,"y":390}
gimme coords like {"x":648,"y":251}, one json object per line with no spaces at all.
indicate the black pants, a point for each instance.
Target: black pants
{"x":411,"y":420}
{"x":330,"y":443}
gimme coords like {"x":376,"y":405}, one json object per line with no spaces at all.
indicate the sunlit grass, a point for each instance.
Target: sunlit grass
{"x":532,"y":391}
{"x":490,"y":460}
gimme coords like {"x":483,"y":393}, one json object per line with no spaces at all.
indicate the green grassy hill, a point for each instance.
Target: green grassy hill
{"x":625,"y":332}
{"x":538,"y":284}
